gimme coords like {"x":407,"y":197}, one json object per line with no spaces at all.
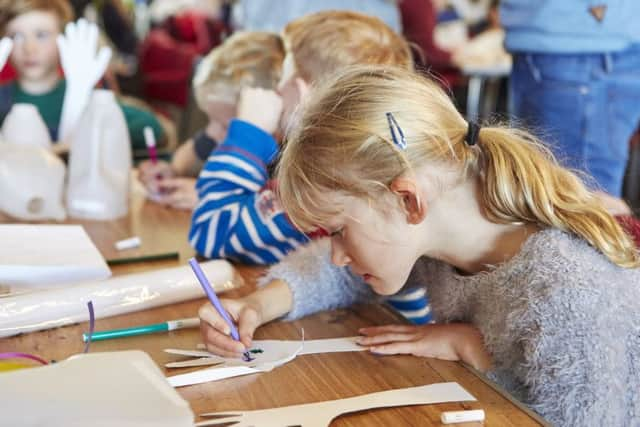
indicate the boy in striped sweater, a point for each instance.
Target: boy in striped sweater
{"x":238,"y":215}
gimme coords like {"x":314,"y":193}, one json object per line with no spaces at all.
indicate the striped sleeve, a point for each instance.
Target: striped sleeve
{"x":238,"y":216}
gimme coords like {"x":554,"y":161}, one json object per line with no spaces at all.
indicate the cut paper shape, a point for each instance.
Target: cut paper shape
{"x":266,"y":354}
{"x":48,"y":256}
{"x":122,"y":294}
{"x":320,"y":414}
{"x":87,"y":390}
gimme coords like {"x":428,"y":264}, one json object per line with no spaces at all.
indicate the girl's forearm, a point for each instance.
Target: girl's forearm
{"x":273,"y":300}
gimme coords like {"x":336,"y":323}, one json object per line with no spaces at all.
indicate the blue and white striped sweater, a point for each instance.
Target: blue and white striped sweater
{"x":238,"y":216}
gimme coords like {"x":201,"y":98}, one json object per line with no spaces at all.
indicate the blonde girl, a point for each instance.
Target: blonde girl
{"x":529,"y":278}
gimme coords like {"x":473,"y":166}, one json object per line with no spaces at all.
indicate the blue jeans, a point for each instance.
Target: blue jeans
{"x":585,"y":106}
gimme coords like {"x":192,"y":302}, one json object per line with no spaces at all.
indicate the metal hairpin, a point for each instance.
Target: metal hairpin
{"x":396,"y":132}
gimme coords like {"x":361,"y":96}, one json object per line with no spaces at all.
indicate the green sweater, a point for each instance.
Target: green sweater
{"x":49,"y":106}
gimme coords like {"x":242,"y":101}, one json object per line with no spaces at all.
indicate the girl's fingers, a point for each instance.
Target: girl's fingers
{"x":385,"y":338}
{"x":407,"y":347}
{"x":220,"y":344}
{"x":376,"y":330}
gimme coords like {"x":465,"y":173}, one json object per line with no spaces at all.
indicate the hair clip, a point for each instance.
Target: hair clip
{"x":473,"y":130}
{"x":396,"y":132}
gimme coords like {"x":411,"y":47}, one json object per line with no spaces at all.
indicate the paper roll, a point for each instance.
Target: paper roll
{"x":123,"y":294}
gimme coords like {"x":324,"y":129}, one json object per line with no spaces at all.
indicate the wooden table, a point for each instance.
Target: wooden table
{"x":306,"y":379}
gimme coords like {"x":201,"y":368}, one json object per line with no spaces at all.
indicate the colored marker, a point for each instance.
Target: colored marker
{"x":213,"y":298}
{"x":150,"y":141}
{"x":144,"y":258}
{"x":170,"y":325}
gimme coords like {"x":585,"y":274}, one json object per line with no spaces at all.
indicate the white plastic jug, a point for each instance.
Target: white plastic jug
{"x":31,"y":183}
{"x":100,"y":161}
{"x":24,"y":126}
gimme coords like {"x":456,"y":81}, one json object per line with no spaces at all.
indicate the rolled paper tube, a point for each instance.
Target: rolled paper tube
{"x":118,"y":295}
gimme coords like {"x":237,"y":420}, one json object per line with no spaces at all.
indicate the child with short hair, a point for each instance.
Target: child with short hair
{"x":529,"y":277}
{"x":244,"y":59}
{"x":238,"y":215}
{"x":34,"y":26}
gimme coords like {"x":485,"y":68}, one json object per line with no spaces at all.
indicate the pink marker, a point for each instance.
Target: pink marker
{"x":150,"y":141}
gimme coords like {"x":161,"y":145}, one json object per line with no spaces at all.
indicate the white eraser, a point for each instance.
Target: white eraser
{"x":132,"y":242}
{"x":462,"y":416}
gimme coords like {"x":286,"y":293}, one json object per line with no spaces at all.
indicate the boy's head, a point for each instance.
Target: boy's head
{"x":34,"y":25}
{"x":244,"y":59}
{"x":321,"y":43}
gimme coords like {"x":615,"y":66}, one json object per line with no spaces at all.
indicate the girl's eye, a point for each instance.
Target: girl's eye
{"x":43,"y":35}
{"x":17,"y":37}
{"x":337,"y":233}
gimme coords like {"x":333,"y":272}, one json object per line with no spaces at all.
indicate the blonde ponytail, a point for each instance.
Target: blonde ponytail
{"x":521,"y":180}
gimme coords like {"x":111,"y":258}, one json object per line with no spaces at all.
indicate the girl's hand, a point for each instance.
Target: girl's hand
{"x":453,"y":341}
{"x":150,"y":173}
{"x":216,"y":332}
{"x":178,"y":193}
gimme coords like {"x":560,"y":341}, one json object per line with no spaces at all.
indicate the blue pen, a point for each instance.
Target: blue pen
{"x":211,"y":294}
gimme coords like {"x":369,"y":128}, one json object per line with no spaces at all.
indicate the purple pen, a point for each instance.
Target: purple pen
{"x":211,"y":294}
{"x":150,"y":141}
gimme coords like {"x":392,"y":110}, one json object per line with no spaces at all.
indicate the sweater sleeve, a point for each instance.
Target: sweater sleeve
{"x":238,"y":216}
{"x":316,"y":284}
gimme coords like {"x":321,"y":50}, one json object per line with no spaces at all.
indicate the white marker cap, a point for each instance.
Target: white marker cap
{"x":462,"y":416}
{"x":132,"y":242}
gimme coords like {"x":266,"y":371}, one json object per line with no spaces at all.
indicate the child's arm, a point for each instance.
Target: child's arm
{"x":237,"y":217}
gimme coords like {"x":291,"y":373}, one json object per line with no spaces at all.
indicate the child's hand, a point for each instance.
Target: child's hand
{"x":5,"y":49}
{"x":150,"y":173}
{"x":179,"y":193}
{"x":215,"y":330}
{"x":453,"y":341}
{"x":261,"y":108}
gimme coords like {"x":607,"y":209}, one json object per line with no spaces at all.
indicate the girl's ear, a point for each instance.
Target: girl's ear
{"x":415,"y":206}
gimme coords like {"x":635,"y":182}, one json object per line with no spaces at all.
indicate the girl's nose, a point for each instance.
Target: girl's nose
{"x":338,"y":255}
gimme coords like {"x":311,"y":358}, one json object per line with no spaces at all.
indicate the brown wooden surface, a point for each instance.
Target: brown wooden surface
{"x":308,"y":378}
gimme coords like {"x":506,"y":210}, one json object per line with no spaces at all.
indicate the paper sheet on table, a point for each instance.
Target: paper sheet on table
{"x":118,"y":295}
{"x":320,"y":414}
{"x":87,"y":390}
{"x":46,"y":256}
{"x":266,"y":355}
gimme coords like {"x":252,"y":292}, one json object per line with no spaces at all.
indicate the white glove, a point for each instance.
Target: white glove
{"x":82,"y":70}
{"x":5,"y":49}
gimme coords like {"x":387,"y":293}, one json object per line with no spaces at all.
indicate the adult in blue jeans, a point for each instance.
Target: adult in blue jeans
{"x":576,"y":78}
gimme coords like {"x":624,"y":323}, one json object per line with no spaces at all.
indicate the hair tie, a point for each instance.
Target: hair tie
{"x":473,"y":130}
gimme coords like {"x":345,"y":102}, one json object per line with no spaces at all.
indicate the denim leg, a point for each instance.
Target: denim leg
{"x":621,"y":79}
{"x":585,"y":106}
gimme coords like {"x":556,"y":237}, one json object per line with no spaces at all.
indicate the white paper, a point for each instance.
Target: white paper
{"x":118,"y":295}
{"x":320,"y":414}
{"x":272,"y":356}
{"x":46,"y":256}
{"x":266,"y":354}
{"x":87,"y":390}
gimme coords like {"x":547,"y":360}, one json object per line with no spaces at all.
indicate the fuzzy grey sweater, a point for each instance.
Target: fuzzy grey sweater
{"x":561,"y":322}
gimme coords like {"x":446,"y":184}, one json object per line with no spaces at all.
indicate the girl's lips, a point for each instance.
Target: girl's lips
{"x":366,"y":277}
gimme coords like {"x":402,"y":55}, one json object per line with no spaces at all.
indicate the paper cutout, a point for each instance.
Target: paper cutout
{"x":267,"y":355}
{"x":320,"y":414}
{"x":87,"y":390}
{"x":47,"y":256}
